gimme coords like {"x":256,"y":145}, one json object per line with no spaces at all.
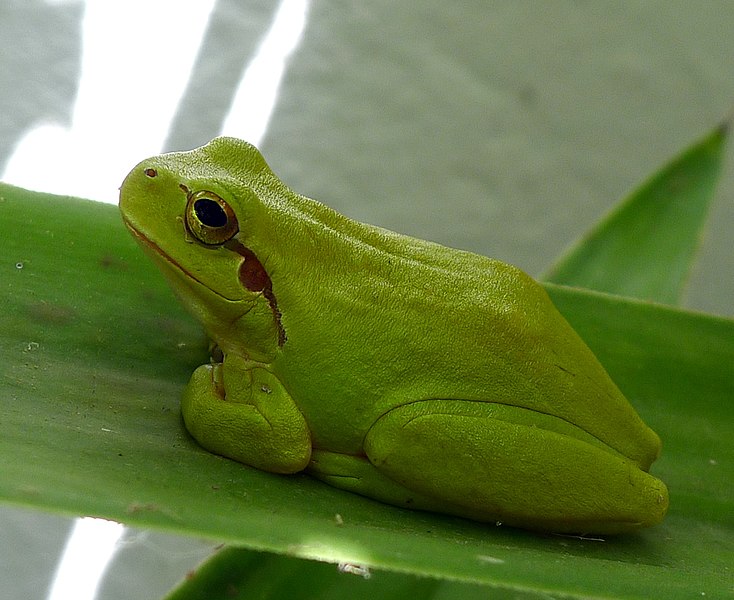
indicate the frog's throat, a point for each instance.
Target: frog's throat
{"x":158,"y":251}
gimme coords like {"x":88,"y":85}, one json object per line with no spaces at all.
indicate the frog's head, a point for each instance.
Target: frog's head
{"x":185,"y":209}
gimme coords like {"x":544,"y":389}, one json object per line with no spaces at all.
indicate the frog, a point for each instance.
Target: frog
{"x":415,"y":374}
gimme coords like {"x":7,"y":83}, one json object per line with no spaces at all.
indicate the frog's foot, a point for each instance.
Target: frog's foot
{"x":493,"y":462}
{"x":245,"y":413}
{"x":358,"y":475}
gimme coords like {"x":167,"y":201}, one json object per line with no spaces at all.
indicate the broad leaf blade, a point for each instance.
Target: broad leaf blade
{"x":234,"y":573}
{"x":645,"y":247}
{"x":95,"y":352}
{"x":239,"y":573}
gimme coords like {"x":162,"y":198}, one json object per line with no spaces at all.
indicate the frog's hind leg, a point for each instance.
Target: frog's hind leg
{"x":358,"y":475}
{"x":493,"y":462}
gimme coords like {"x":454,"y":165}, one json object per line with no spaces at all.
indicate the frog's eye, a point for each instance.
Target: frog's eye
{"x":210,"y":219}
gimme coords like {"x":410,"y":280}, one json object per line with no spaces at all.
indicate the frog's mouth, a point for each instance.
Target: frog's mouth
{"x":156,"y":250}
{"x":252,"y":276}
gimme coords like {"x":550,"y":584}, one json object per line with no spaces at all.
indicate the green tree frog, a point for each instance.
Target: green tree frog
{"x":405,"y":371}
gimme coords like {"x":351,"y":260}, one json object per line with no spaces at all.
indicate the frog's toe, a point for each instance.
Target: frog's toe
{"x":358,"y":475}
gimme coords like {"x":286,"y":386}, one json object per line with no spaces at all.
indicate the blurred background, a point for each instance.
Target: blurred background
{"x":501,"y":128}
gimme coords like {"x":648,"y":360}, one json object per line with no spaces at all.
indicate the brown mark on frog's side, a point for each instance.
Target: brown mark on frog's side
{"x":256,"y":279}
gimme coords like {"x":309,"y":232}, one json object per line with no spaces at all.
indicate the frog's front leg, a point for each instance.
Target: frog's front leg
{"x":240,"y":410}
{"x":493,"y":462}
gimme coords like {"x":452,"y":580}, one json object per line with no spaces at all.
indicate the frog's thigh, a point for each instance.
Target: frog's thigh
{"x":490,"y":462}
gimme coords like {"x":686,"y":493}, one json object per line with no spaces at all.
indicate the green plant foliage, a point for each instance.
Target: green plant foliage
{"x":95,"y":352}
{"x":645,"y":246}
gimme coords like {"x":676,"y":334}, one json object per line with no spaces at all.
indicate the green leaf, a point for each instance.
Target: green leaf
{"x":234,"y":573}
{"x":645,"y":247}
{"x":239,"y":573}
{"x":95,"y":352}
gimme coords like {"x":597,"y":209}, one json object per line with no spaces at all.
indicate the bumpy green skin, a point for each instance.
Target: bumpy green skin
{"x":416,"y":374}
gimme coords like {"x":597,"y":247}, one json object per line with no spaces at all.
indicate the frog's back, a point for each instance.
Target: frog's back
{"x":413,"y":320}
{"x":375,"y":319}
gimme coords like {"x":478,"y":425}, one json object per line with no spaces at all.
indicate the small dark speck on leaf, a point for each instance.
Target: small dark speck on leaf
{"x":137,"y":507}
{"x":112,"y":262}
{"x":55,"y":314}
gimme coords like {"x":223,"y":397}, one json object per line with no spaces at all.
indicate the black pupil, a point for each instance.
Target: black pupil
{"x":210,"y":213}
